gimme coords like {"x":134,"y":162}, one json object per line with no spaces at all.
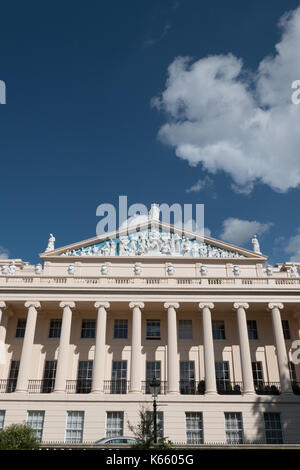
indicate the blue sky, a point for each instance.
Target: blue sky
{"x":81,"y":125}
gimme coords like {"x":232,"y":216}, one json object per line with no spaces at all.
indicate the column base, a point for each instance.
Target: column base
{"x":59,"y":391}
{"x":249,"y":392}
{"x":135,"y":391}
{"x":21,"y":391}
{"x":211,"y":392}
{"x":173,"y":392}
{"x":97,"y":391}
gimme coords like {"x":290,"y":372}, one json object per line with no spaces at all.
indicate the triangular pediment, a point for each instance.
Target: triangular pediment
{"x":152,"y":239}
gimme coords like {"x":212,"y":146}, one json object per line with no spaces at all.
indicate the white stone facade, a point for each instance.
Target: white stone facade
{"x":99,"y":325}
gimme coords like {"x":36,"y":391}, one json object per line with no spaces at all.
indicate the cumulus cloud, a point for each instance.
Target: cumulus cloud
{"x":4,"y":254}
{"x":238,"y":231}
{"x":226,"y":119}
{"x":200,"y":185}
{"x":293,"y":247}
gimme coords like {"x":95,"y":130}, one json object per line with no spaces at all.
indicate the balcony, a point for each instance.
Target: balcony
{"x":191,"y":387}
{"x":225,"y":387}
{"x":162,"y":389}
{"x":267,"y":388}
{"x":8,"y":385}
{"x":118,"y":387}
{"x":79,"y":386}
{"x":41,"y":386}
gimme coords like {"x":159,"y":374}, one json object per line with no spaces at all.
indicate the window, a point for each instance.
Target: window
{"x":114,"y":423}
{"x":292,"y":370}
{"x":2,"y":417}
{"x":74,"y":428}
{"x":121,"y":329}
{"x":273,"y":428}
{"x":49,"y":376}
{"x":187,"y":377}
{"x":252,"y":329}
{"x":153,"y":329}
{"x":159,"y":423}
{"x":55,"y":329}
{"x":21,"y":325}
{"x":119,"y":377}
{"x":185,"y":329}
{"x":218,"y":329}
{"x":13,"y":376}
{"x":88,"y":328}
{"x":234,"y":428}
{"x":286,"y":329}
{"x":258,"y":376}
{"x":35,"y":419}
{"x":194,"y":428}
{"x":84,"y":377}
{"x":222,"y":376}
{"x":153,"y":369}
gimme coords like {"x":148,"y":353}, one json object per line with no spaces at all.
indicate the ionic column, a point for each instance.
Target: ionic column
{"x":25,"y":361}
{"x":208,"y":344}
{"x":99,"y":358}
{"x":172,"y":356}
{"x":136,"y":345}
{"x":281,"y":353}
{"x":248,"y":384}
{"x":64,"y":343}
{"x":3,"y":327}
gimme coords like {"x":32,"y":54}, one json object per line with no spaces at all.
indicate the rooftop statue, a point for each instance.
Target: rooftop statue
{"x":255,"y":245}
{"x":51,"y":242}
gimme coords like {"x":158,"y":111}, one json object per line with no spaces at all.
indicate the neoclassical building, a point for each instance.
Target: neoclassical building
{"x":83,"y":333}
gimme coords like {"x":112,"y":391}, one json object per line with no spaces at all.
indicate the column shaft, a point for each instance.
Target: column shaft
{"x":209,"y":355}
{"x":282,"y":358}
{"x":64,"y":343}
{"x":99,"y":358}
{"x":136,"y":345}
{"x":172,"y":355}
{"x":248,"y":384}
{"x":26,"y":354}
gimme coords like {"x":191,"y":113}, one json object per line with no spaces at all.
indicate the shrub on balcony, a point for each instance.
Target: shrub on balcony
{"x":201,"y":387}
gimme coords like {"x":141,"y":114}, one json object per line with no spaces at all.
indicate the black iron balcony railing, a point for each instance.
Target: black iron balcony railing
{"x":8,"y":385}
{"x":41,"y":386}
{"x":79,"y":386}
{"x":231,"y":388}
{"x":191,"y":387}
{"x":267,"y":388}
{"x":118,"y":386}
{"x":162,"y":389}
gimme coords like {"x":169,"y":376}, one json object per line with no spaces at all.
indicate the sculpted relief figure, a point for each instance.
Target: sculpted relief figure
{"x":195,"y":248}
{"x":177,"y":242}
{"x":123,"y":246}
{"x":154,"y":241}
{"x":185,"y":246}
{"x":142,"y":244}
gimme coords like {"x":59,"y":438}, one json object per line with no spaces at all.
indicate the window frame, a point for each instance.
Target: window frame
{"x":200,"y":439}
{"x":120,"y":325}
{"x":185,"y":333}
{"x":252,"y":329}
{"x":20,"y":329}
{"x":150,"y":323}
{"x":79,"y":439}
{"x":38,"y":430}
{"x":270,"y":439}
{"x":55,"y":330}
{"x":236,"y":431}
{"x":219,"y":334}
{"x":88,"y":331}
{"x":116,"y":429}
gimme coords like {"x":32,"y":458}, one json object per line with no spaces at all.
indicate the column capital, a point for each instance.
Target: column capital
{"x":103,"y":304}
{"x":136,"y":304}
{"x":67,"y":304}
{"x":171,"y":304}
{"x":272,"y":305}
{"x":209,"y":305}
{"x":238,"y":305}
{"x":2,"y":304}
{"x":31,"y":303}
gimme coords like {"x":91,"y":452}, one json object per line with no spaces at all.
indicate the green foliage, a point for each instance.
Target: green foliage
{"x":144,"y":432}
{"x":18,"y":437}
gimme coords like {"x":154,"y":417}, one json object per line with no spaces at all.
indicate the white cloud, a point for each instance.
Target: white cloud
{"x":239,"y":231}
{"x":200,"y":185}
{"x":293,"y":247}
{"x":136,"y":219}
{"x":4,"y":253}
{"x":245,"y":124}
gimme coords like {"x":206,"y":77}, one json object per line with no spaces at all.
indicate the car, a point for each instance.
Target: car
{"x":118,"y":440}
